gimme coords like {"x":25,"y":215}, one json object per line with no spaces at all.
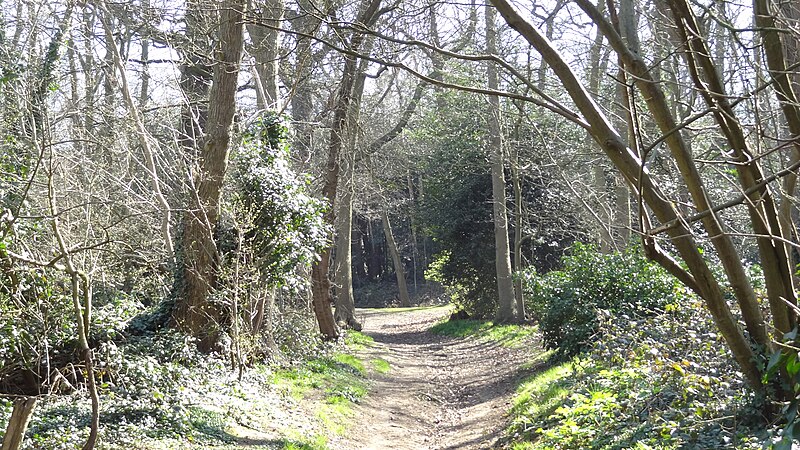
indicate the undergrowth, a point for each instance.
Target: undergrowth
{"x":158,"y":392}
{"x":660,"y":382}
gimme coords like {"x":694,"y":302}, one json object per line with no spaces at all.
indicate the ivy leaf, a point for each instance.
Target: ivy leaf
{"x":790,"y":336}
{"x":773,"y":361}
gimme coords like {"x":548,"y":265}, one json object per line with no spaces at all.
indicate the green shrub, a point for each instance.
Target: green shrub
{"x":567,"y":302}
{"x":666,"y":381}
{"x":282,"y":220}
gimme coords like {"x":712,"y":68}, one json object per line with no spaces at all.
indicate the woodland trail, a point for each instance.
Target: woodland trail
{"x":441,"y":392}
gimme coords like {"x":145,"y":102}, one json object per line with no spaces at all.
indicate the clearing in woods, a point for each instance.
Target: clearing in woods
{"x":441,"y":392}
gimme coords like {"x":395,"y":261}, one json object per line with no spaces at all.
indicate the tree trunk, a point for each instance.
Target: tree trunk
{"x":505,"y":286}
{"x":319,"y":272}
{"x":18,"y":423}
{"x":399,"y":271}
{"x":681,"y":152}
{"x":321,"y":296}
{"x":780,"y":55}
{"x":518,"y":292}
{"x":603,"y":214}
{"x":265,"y":51}
{"x":760,"y":205}
{"x":194,"y":312}
{"x":82,"y":310}
{"x":414,"y":250}
{"x":359,"y":253}
{"x":345,"y":305}
{"x":146,"y":140}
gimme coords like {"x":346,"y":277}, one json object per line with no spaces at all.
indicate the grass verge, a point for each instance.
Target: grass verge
{"x":336,"y":381}
{"x":507,"y":335}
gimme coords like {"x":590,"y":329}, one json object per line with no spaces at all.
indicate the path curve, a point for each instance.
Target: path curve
{"x":441,"y":392}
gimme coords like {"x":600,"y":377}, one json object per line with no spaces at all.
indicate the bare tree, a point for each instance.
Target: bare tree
{"x":756,"y":193}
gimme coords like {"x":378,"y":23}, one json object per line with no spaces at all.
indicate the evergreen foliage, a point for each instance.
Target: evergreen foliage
{"x":662,"y":381}
{"x":285,"y":223}
{"x":567,"y":302}
{"x":456,"y":211}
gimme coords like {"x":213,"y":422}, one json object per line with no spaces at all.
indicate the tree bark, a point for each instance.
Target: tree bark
{"x":321,"y":297}
{"x":265,"y":51}
{"x":505,"y":284}
{"x":760,"y":205}
{"x":302,"y":98}
{"x":681,"y":152}
{"x":779,"y":55}
{"x":518,"y":220}
{"x":82,"y":310}
{"x":345,"y":304}
{"x":145,"y":139}
{"x":18,"y":423}
{"x":195,"y":312}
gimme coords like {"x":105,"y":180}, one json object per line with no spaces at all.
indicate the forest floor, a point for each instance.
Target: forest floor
{"x":405,"y":388}
{"x":442,"y":392}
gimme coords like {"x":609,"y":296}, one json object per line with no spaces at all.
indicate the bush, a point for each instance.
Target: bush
{"x":567,"y":302}
{"x":467,"y":289}
{"x":666,"y":381}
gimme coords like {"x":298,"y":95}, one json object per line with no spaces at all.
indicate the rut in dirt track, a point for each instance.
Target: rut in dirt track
{"x":441,"y":392}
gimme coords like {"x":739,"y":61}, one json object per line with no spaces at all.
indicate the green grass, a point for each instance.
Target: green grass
{"x":540,"y":395}
{"x":339,"y":378}
{"x":350,"y":361}
{"x":316,"y":442}
{"x":336,"y":416}
{"x":357,"y":340}
{"x":507,"y":335}
{"x":381,"y":365}
{"x":341,"y":374}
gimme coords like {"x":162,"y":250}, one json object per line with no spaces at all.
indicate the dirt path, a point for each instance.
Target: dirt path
{"x":441,"y":392}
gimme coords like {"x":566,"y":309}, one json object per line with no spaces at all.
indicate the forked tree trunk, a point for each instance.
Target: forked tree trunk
{"x":684,"y":159}
{"x":780,"y":55}
{"x":18,"y":423}
{"x":345,"y":305}
{"x":321,"y":296}
{"x":662,"y":115}
{"x":760,"y":205}
{"x":194,"y":311}
{"x":399,"y":271}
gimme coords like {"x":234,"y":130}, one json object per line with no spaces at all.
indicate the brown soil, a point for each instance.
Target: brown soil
{"x":441,"y":392}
